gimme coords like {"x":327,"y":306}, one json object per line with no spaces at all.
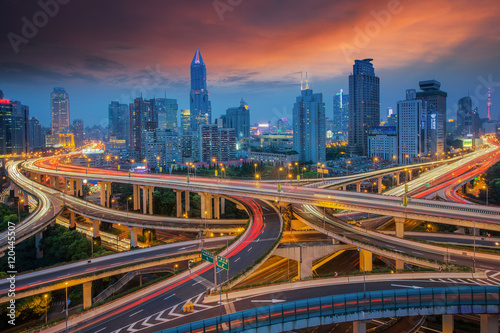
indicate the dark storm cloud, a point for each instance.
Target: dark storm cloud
{"x":102,"y":65}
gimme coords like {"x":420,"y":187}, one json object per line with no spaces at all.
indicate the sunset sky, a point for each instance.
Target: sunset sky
{"x":102,"y":51}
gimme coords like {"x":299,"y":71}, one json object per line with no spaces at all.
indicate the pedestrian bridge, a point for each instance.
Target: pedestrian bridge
{"x":357,"y":307}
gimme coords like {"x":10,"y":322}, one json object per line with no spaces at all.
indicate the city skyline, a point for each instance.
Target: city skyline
{"x":97,"y":65}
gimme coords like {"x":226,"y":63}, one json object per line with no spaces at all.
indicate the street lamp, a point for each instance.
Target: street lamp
{"x":486,"y":187}
{"x":280,"y":169}
{"x":128,"y":199}
{"x":206,"y":221}
{"x":91,"y":242}
{"x":255,"y":167}
{"x":474,"y":258}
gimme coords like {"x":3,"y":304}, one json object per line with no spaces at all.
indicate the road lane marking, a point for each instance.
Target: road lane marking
{"x":169,"y":296}
{"x":249,"y":249}
{"x":237,"y":259}
{"x":136,"y":312}
{"x":194,"y":284}
{"x":403,"y":286}
{"x":102,"y":329}
{"x":487,"y":267}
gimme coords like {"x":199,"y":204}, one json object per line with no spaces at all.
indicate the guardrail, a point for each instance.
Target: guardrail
{"x":353,"y":307}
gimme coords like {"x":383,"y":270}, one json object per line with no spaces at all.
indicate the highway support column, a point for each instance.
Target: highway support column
{"x":223,"y":205}
{"x":379,"y":185}
{"x":398,"y":178}
{"x":359,"y":326}
{"x":400,"y":226}
{"x":53,"y":181}
{"x":187,"y":202}
{"x":365,"y":261}
{"x":216,"y":207}
{"x":79,"y":188}
{"x":136,"y":196}
{"x":87,"y":294}
{"x":178,"y":210}
{"x":489,"y":323}
{"x":400,"y":265}
{"x":133,"y":236}
{"x":147,"y":199}
{"x":448,"y":323}
{"x":38,"y":238}
{"x":95,"y":231}
{"x":72,"y":221}
{"x":358,"y":187}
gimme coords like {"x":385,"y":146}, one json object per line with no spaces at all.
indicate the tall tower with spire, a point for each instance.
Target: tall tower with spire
{"x":200,"y":106}
{"x":489,"y":104}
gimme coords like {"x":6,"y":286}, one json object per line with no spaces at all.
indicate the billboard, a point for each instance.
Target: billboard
{"x":467,"y":143}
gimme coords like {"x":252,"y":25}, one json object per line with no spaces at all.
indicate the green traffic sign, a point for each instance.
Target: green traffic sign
{"x":428,"y":185}
{"x":223,"y":262}
{"x":207,"y":256}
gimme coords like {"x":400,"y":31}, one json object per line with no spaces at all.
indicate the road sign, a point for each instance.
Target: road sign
{"x":405,"y":201}
{"x":406,"y":188}
{"x":428,"y":185}
{"x":222,"y":262}
{"x":207,"y":256}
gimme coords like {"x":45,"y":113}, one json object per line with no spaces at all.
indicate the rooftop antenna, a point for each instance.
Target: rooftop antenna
{"x":301,"y":85}
{"x":307,"y":84}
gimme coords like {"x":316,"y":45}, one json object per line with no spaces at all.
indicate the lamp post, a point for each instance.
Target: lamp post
{"x":255,"y":168}
{"x":91,"y":242}
{"x":279,"y":171}
{"x":66,"y":306}
{"x":322,"y":172}
{"x":364,"y":272}
{"x":474,"y":258}
{"x":486,"y":187}
{"x":18,"y":211}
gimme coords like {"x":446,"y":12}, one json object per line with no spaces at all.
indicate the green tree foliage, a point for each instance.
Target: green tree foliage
{"x":333,"y":153}
{"x":32,"y":307}
{"x":9,"y":214}
{"x":492,"y":178}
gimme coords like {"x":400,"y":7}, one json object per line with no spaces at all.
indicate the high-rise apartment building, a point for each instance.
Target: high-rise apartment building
{"x":167,"y":113}
{"x":78,"y":131}
{"x":341,"y":113}
{"x":185,"y":121}
{"x":433,"y":95}
{"x":119,"y":122}
{"x":364,"y":106}
{"x":239,"y":119}
{"x":173,"y":147}
{"x":14,"y":127}
{"x":464,"y":117}
{"x":309,"y":132}
{"x":143,"y":118}
{"x":59,"y":106}
{"x":412,"y":117}
{"x":216,"y":143}
{"x":200,"y":106}
{"x":35,"y":134}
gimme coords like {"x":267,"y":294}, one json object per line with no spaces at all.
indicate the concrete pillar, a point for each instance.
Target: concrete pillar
{"x":72,"y":221}
{"x":359,"y":326}
{"x":400,"y":265}
{"x":136,"y":194}
{"x":144,"y":200}
{"x":63,"y":185}
{"x":400,"y":226}
{"x":133,"y":236}
{"x":150,"y":199}
{"x":216,"y":207}
{"x":448,"y":324}
{"x":409,"y":175}
{"x":53,"y":181}
{"x":397,"y":178}
{"x":358,"y":187}
{"x":208,"y":205}
{"x":38,"y":238}
{"x":87,"y":294}
{"x":223,"y":205}
{"x":202,"y":204}
{"x":178,"y":195}
{"x":379,"y":184}
{"x":79,"y":187}
{"x":187,"y":202}
{"x":489,"y":323}
{"x":103,"y":193}
{"x":365,"y":261}
{"x":95,"y":228}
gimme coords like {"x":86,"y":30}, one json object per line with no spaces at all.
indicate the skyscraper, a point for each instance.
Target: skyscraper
{"x":432,"y":94}
{"x":216,"y":143}
{"x":78,"y":131}
{"x":309,"y":132}
{"x":35,"y":134}
{"x":14,"y":127}
{"x":119,"y":121}
{"x":167,"y":113}
{"x":239,"y":119}
{"x":143,"y":118}
{"x":200,"y":106}
{"x":340,"y":113}
{"x":412,"y":114}
{"x":464,"y":117}
{"x":364,"y":106}
{"x":185,"y":121}
{"x":59,"y":106}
